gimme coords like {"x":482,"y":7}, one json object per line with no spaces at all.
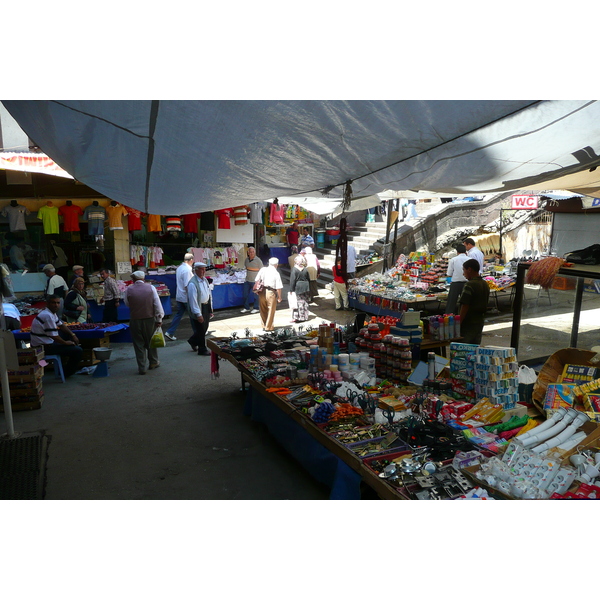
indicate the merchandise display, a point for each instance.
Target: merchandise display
{"x":452,"y":436}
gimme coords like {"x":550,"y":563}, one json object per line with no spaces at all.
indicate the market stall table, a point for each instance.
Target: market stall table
{"x":123,"y":314}
{"x":328,"y":460}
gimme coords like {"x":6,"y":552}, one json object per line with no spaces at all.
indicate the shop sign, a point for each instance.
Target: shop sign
{"x":520,"y":202}
{"x":123,"y":267}
{"x":587,"y":202}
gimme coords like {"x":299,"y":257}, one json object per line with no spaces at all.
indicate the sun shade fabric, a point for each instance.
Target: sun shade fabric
{"x":178,"y":157}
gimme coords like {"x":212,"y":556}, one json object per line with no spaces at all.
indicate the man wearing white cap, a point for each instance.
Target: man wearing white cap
{"x":271,"y":293}
{"x":55,"y":285}
{"x":200,"y":307}
{"x":77,"y":272}
{"x":146,"y":315}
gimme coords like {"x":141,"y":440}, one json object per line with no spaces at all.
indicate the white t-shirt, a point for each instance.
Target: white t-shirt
{"x":455,"y":267}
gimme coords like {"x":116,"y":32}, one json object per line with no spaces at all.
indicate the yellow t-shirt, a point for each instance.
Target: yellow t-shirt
{"x":115,"y":215}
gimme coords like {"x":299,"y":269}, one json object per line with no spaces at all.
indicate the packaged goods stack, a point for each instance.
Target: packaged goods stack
{"x":26,"y":392}
{"x":496,"y":376}
{"x":462,"y":369}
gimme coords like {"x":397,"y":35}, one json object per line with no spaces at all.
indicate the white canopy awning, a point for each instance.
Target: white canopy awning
{"x":177,"y":157}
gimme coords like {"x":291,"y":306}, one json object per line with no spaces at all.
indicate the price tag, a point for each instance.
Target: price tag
{"x":124,"y":267}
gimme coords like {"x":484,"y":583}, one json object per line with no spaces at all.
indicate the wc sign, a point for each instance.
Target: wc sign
{"x":524,"y":202}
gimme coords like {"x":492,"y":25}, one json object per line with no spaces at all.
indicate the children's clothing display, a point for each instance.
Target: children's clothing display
{"x":115,"y":216}
{"x":134,"y":219}
{"x":16,"y":216}
{"x":70,"y":214}
{"x":153,"y":223}
{"x":148,"y":256}
{"x":48,"y":214}
{"x":95,"y":215}
{"x":218,"y":256}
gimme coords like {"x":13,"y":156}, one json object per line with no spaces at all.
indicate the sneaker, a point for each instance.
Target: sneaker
{"x":254,"y":311}
{"x":169,"y":336}
{"x":244,"y":310}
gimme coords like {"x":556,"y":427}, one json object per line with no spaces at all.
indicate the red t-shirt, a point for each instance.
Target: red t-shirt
{"x":190,"y":223}
{"x":223,"y":221}
{"x":71,"y":216}
{"x":134,"y":219}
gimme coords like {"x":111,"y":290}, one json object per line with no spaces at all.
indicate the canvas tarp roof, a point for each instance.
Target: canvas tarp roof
{"x":180,"y":157}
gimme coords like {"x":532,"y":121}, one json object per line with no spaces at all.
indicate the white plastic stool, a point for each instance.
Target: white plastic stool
{"x":58,"y":368}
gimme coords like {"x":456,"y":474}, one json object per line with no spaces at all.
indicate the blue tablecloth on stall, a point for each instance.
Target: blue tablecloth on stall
{"x":123,"y":314}
{"x":86,"y":334}
{"x":169,"y":279}
{"x":321,"y":463}
{"x":228,"y":295}
{"x":281,"y":253}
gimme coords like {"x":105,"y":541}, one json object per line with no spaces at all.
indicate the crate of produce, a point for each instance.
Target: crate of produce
{"x":25,"y":374}
{"x":25,"y":403}
{"x":30,"y":355}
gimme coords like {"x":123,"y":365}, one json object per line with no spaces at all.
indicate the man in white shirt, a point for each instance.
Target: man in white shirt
{"x":146,"y":315}
{"x":48,"y":331}
{"x":183,"y":275}
{"x":12,"y":316}
{"x":457,"y":278}
{"x":271,"y":293}
{"x":200,"y":307}
{"x":474,"y":252}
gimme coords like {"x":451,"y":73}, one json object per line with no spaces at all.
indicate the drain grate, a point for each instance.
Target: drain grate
{"x":23,"y":467}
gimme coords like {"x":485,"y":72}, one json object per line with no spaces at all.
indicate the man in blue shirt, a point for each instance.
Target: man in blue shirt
{"x":307,"y":239}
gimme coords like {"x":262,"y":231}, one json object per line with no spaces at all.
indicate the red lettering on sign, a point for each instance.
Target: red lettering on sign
{"x":521,"y":202}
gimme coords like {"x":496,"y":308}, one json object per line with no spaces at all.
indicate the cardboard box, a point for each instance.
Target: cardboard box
{"x":30,"y":355}
{"x":26,"y":404}
{"x":26,"y":374}
{"x":553,"y":368}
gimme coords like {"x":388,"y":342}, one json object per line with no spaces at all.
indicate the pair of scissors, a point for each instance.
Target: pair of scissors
{"x":389,"y":414}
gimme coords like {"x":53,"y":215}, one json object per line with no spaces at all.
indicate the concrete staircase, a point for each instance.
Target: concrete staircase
{"x":363,"y":236}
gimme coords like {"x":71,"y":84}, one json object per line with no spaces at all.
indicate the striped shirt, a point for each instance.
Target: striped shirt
{"x":44,"y":328}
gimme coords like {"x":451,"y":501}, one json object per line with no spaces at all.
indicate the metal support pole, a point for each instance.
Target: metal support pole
{"x":501,"y":222}
{"x":518,"y":307}
{"x":10,"y":428}
{"x":387,"y":235}
{"x":577,"y":311}
{"x":395,"y":231}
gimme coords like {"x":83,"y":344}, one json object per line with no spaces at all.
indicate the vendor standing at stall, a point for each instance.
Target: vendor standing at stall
{"x":200,"y":307}
{"x":292,"y":235}
{"x":473,"y":303}
{"x":253,"y":265}
{"x":270,"y":294}
{"x":55,"y":285}
{"x":474,"y":252}
{"x":307,"y":239}
{"x":111,"y":297}
{"x":457,"y":278}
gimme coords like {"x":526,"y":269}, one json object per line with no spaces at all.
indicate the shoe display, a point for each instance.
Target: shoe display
{"x":170,"y":337}
{"x":254,"y":311}
{"x":204,"y":352}
{"x":244,"y":310}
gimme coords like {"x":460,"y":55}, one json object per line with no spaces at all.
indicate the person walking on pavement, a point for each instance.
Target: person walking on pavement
{"x":474,"y":252}
{"x":49,"y":332}
{"x":271,"y":293}
{"x":111,"y":298}
{"x":473,"y":303}
{"x":200,"y":308}
{"x":300,"y":285}
{"x":314,"y":270}
{"x":146,"y":315}
{"x":183,"y":275}
{"x":457,"y":278}
{"x":253,"y":265}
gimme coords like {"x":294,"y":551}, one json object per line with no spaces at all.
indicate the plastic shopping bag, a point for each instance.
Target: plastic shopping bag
{"x":158,"y":339}
{"x":292,"y":300}
{"x":527,"y":379}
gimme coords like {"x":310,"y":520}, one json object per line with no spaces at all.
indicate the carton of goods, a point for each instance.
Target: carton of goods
{"x":553,"y":368}
{"x":30,"y":355}
{"x":25,"y":374}
{"x":558,"y":395}
{"x":579,"y":374}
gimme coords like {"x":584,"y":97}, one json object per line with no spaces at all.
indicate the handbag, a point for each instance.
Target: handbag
{"x":158,"y":339}
{"x":258,"y":286}
{"x":292,"y":300}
